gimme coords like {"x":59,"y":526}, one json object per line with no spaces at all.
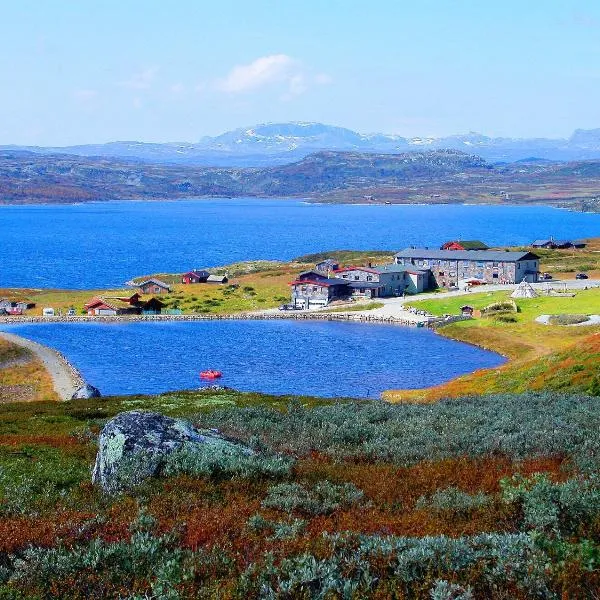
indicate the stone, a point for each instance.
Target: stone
{"x":86,"y":391}
{"x":134,"y":446}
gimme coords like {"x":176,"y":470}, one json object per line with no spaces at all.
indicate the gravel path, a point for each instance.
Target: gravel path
{"x":67,"y":380}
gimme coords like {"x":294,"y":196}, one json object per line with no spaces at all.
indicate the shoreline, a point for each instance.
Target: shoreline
{"x":360,"y":317}
{"x":65,"y":377}
{"x":559,"y":205}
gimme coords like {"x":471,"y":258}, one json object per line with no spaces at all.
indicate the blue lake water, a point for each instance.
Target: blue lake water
{"x":326,"y":359}
{"x":102,"y":245}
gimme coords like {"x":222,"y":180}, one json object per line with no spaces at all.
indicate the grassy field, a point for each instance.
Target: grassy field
{"x":541,"y":356}
{"x":22,"y":376}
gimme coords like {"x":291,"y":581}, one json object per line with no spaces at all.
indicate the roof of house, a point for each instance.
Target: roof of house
{"x":478,"y":255}
{"x":217,"y":278}
{"x":157,"y":282}
{"x":541,"y":242}
{"x":367,"y":269}
{"x":398,"y":269}
{"x":329,"y":261}
{"x":320,"y":280}
{"x":114,"y":303}
{"x":197,"y":273}
{"x":469,"y":244}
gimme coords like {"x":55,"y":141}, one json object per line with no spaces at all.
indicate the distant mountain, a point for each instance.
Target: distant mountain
{"x":30,"y":177}
{"x":430,"y":176}
{"x":281,"y":143}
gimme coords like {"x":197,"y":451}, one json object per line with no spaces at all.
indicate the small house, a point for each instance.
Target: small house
{"x":152,"y":307}
{"x":543,"y":243}
{"x":154,"y":286}
{"x":111,"y":306}
{"x":464,"y":245}
{"x":217,"y":279}
{"x":466,"y":311}
{"x":313,"y":290}
{"x":384,"y":280}
{"x":327,"y":266}
{"x":195,"y":276}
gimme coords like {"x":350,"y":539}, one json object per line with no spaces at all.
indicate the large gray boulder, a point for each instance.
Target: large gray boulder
{"x":86,"y":391}
{"x":136,"y":445}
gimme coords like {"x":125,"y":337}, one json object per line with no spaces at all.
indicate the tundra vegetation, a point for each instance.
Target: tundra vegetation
{"x":492,"y":496}
{"x":555,"y":356}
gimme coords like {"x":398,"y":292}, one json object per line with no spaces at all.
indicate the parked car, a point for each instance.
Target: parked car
{"x":289,"y":307}
{"x":546,"y":276}
{"x":581,"y":276}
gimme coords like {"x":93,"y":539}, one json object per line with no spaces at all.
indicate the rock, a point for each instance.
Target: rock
{"x":86,"y":391}
{"x":134,"y":446}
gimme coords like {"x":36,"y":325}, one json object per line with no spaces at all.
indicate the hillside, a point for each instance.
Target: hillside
{"x":431,"y":176}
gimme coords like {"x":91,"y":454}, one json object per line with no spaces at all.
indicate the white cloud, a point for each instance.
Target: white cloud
{"x":266,"y":70}
{"x":142,"y":80}
{"x":177,"y":88}
{"x":323,"y":79}
{"x":85,"y":96}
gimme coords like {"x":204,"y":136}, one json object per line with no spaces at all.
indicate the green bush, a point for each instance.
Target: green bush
{"x":515,"y":425}
{"x":222,"y":462}
{"x":453,"y":500}
{"x":554,"y":508}
{"x":279,"y":530}
{"x":567,"y":319}
{"x":358,"y":564}
{"x":505,"y":318}
{"x":323,"y":498}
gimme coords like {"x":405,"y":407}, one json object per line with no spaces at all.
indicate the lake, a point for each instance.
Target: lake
{"x":102,"y":245}
{"x":327,"y":359}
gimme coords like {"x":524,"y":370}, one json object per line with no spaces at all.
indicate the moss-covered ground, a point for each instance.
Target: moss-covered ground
{"x":496,"y":496}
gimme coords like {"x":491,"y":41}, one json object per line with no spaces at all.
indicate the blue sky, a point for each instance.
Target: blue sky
{"x":82,"y":72}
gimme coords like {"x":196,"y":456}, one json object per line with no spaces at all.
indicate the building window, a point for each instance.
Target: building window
{"x":356,"y":278}
{"x":495,"y":275}
{"x":369,"y":277}
{"x":441,"y":273}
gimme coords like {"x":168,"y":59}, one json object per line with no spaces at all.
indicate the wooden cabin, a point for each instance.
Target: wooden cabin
{"x":154,"y":286}
{"x":195,"y":276}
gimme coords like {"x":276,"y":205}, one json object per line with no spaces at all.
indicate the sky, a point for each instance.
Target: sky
{"x":81,"y":71}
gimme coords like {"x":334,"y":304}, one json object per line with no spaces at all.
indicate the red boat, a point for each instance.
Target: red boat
{"x":210,"y":374}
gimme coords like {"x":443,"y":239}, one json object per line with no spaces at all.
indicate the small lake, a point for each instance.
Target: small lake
{"x":327,"y":359}
{"x":102,"y":245}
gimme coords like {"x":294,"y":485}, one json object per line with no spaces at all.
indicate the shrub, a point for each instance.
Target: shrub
{"x":323,"y":498}
{"x":566,"y":319}
{"x":503,"y":306}
{"x":515,"y":425}
{"x":454,"y":500}
{"x":357,"y":565}
{"x":505,"y":318}
{"x":594,"y":389}
{"x":556,"y":508}
{"x":280,"y":530}
{"x":224,"y":463}
{"x":445,"y":590}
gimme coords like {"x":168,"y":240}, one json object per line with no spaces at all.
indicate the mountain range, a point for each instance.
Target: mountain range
{"x":281,"y":143}
{"x":426,"y":176}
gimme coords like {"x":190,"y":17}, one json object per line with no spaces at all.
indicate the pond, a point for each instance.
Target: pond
{"x":326,"y":359}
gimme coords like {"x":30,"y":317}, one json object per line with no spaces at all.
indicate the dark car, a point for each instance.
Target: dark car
{"x":581,"y":276}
